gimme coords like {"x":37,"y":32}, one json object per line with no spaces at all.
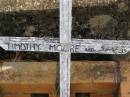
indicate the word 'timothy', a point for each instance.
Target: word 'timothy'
{"x":24,"y":46}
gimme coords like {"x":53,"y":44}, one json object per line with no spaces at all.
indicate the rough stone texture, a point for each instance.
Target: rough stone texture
{"x":34,"y":73}
{"x":125,"y":82}
{"x":46,"y":72}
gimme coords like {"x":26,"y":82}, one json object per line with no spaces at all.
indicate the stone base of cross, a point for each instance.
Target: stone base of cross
{"x":65,"y":45}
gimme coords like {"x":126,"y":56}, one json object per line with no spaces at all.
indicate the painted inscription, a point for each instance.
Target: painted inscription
{"x":61,"y":47}
{"x":24,"y":46}
{"x":73,"y":48}
{"x":90,"y":49}
{"x":114,"y":49}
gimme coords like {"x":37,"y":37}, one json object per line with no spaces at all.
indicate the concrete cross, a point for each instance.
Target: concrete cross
{"x":65,"y":45}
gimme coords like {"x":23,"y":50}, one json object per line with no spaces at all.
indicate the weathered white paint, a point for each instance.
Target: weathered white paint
{"x":65,"y":38}
{"x":54,"y":45}
{"x":65,"y":62}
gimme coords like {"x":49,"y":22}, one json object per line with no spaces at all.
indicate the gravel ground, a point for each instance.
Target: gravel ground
{"x":16,"y":5}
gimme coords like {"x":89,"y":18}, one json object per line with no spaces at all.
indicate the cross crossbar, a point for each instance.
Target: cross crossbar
{"x":75,"y":46}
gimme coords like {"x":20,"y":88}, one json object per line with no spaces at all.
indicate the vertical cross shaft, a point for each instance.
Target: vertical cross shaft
{"x":65,"y":37}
